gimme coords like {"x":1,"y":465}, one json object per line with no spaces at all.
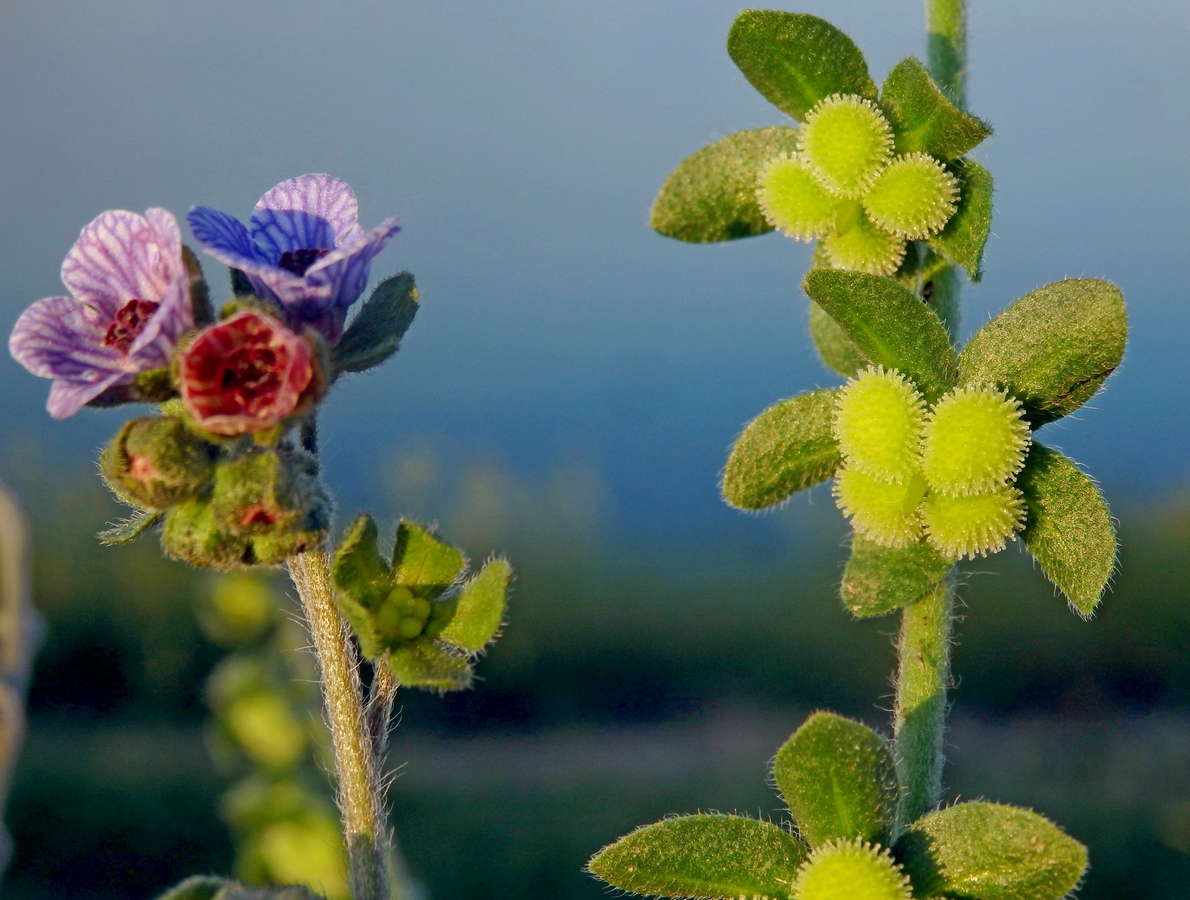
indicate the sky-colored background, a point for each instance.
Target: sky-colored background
{"x":521,"y":145}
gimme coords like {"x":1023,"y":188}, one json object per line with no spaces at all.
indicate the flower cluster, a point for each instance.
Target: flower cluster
{"x":218,"y":463}
{"x":947,"y":472}
{"x":845,"y":187}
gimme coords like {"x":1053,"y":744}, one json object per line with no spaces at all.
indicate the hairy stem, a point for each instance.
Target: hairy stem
{"x":923,"y":678}
{"x":361,"y":795}
{"x":946,"y":28}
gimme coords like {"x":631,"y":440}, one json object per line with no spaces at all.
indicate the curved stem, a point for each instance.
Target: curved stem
{"x":361,"y":795}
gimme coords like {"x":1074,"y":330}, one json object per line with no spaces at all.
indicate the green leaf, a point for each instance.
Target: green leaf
{"x":787,"y":448}
{"x":199,"y":295}
{"x":479,"y":608}
{"x":888,"y":324}
{"x":197,"y":887}
{"x":131,"y":528}
{"x":986,"y":851}
{"x":1053,"y":348}
{"x":879,"y":579}
{"x":833,"y":346}
{"x":711,"y":195}
{"x":923,"y":118}
{"x":1069,"y":529}
{"x":375,"y":333}
{"x":795,"y":59}
{"x":703,"y":856}
{"x":358,"y":570}
{"x":240,"y":285}
{"x":839,"y":780}
{"x":423,"y":664}
{"x":423,"y":563}
{"x":963,"y":239}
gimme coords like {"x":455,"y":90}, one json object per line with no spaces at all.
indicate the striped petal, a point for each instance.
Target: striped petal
{"x":321,"y":198}
{"x":59,"y":337}
{"x":68,"y":397}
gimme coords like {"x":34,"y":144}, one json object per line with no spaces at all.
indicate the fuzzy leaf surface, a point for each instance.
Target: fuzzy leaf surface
{"x":839,"y":780}
{"x":358,"y":569}
{"x":880,"y":579}
{"x":423,"y":664}
{"x":711,"y":195}
{"x":795,"y":59}
{"x":709,"y":856}
{"x":966,"y":234}
{"x":131,"y":528}
{"x":888,"y":324}
{"x":987,"y":851}
{"x":787,"y":448}
{"x":1069,"y":530}
{"x":423,"y":563}
{"x":375,"y":333}
{"x":923,"y":118}
{"x":837,"y":352}
{"x":1053,"y":348}
{"x":479,"y":608}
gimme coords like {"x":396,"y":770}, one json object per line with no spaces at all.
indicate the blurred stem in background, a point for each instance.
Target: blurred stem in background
{"x":923,"y":673}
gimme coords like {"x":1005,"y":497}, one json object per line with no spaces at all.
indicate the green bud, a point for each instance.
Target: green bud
{"x":793,"y":201}
{"x":264,"y":726}
{"x":155,"y":462}
{"x":192,"y":534}
{"x":846,"y":140}
{"x":912,"y":197}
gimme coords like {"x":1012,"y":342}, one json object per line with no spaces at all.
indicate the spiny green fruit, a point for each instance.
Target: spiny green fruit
{"x":846,"y":140}
{"x":863,"y":247}
{"x":888,"y":513}
{"x":851,"y":870}
{"x":878,"y":424}
{"x":912,"y":197}
{"x":793,"y":201}
{"x":975,"y":440}
{"x":974,"y":524}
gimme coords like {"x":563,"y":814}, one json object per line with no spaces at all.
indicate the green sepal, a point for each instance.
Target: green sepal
{"x":880,"y":579}
{"x":375,"y":333}
{"x":477,"y":611}
{"x":358,"y":570}
{"x":192,"y":534}
{"x":155,"y":385}
{"x":703,"y":856}
{"x":423,"y":563}
{"x":888,"y":324}
{"x":923,"y":118}
{"x":965,"y":235}
{"x":196,"y":887}
{"x":836,"y":350}
{"x":839,"y":780}
{"x":128,"y":530}
{"x":787,"y":448}
{"x":424,"y":664}
{"x":199,"y":295}
{"x":711,"y":195}
{"x":241,"y":286}
{"x":987,"y":851}
{"x":154,"y":462}
{"x":796,"y":60}
{"x":1069,"y":529}
{"x":1053,"y":348}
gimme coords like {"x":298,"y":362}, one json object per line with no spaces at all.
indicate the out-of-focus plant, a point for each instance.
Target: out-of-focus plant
{"x":931,"y":448}
{"x":227,"y":467}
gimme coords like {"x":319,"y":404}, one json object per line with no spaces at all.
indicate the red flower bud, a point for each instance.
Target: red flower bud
{"x":245,"y":374}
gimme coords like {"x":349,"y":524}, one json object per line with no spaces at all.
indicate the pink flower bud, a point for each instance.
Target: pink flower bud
{"x":245,"y":374}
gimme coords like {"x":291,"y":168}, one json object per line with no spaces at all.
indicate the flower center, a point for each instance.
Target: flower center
{"x":299,"y":261}
{"x":130,"y":321}
{"x":251,"y":374}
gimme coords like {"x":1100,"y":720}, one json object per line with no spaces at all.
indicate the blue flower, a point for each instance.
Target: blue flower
{"x":130,"y":305}
{"x":303,"y":249}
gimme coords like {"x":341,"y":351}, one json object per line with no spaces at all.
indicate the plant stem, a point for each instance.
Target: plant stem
{"x":361,"y":795}
{"x":946,"y":28}
{"x":923,"y":677}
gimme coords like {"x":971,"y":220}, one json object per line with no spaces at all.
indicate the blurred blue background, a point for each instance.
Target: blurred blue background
{"x":573,"y":381}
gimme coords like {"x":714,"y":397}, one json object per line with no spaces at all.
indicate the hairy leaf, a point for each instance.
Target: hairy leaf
{"x":923,"y":118}
{"x":787,"y":448}
{"x":1053,"y":348}
{"x":833,"y":346}
{"x":1069,"y":529}
{"x":888,"y":324}
{"x":424,"y":563}
{"x":131,"y":528}
{"x":479,"y":608}
{"x":703,"y":856}
{"x":987,"y":851}
{"x":839,"y":780}
{"x":795,"y":59}
{"x":375,"y":333}
{"x":965,"y":235}
{"x":879,"y":579}
{"x":358,"y":569}
{"x":424,"y":664}
{"x":711,"y":195}
{"x":199,"y":294}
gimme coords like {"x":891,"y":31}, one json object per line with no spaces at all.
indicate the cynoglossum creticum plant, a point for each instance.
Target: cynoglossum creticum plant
{"x":867,"y":171}
{"x":844,"y":840}
{"x":227,"y":464}
{"x":932,"y":451}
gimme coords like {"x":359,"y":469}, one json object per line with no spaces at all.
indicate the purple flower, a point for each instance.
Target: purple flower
{"x":131,"y":303}
{"x":303,"y":248}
